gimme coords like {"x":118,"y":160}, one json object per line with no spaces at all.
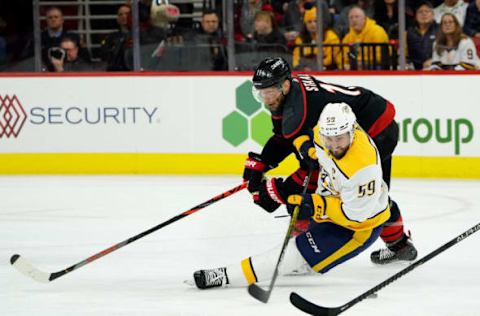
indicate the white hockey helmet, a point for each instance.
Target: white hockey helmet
{"x":337,"y":119}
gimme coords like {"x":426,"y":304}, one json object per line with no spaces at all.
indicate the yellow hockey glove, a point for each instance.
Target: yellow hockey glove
{"x":312,"y":205}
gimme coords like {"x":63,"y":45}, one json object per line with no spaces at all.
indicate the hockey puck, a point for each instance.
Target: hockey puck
{"x":373,"y":295}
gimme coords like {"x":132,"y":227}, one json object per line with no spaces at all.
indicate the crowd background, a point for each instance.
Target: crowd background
{"x":215,"y":35}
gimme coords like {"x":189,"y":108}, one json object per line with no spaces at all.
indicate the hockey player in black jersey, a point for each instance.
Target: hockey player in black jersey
{"x":295,"y":104}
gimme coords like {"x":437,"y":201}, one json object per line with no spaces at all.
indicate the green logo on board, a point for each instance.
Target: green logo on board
{"x":248,"y":120}
{"x":459,"y":131}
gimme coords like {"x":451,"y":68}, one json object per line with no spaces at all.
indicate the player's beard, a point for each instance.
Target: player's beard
{"x":277,"y":105}
{"x":340,"y":153}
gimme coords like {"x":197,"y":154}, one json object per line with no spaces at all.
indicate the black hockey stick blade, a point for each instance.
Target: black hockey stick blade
{"x":313,"y":309}
{"x":259,"y":293}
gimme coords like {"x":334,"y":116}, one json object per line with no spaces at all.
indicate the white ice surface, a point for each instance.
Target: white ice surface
{"x":56,"y":222}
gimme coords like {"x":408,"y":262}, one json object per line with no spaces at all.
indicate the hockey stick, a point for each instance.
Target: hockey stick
{"x":313,"y":309}
{"x":253,"y":289}
{"x":28,"y":269}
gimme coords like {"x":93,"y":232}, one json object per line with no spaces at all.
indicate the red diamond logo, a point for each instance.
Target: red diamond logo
{"x":12,"y":116}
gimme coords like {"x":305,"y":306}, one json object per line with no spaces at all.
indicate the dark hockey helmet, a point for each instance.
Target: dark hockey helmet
{"x":271,"y":71}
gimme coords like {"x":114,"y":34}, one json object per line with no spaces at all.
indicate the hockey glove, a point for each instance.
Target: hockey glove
{"x":269,"y":197}
{"x":253,"y":171}
{"x":313,"y":205}
{"x":307,"y":152}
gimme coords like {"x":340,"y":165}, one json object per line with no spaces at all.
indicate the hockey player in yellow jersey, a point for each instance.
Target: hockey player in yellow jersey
{"x":348,"y":209}
{"x":353,"y":194}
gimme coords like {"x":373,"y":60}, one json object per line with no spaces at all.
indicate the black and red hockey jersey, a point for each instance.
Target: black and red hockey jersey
{"x":302,"y":108}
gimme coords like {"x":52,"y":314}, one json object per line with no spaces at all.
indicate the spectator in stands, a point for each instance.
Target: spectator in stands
{"x":248,"y":11}
{"x":67,"y":58}
{"x":211,"y":34}
{"x":114,"y":45}
{"x":363,"y":30}
{"x":305,"y":58}
{"x":386,"y":15}
{"x":53,"y":34}
{"x":456,"y":7}
{"x":266,"y":35}
{"x":420,"y":37}
{"x":472,"y":20}
{"x":341,"y":23}
{"x":292,"y":22}
{"x":453,"y":50}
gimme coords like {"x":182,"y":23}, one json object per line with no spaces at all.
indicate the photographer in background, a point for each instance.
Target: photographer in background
{"x":66,"y":57}
{"x":53,"y":34}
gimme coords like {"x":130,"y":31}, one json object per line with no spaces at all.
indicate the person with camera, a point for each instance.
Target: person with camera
{"x":66,"y":58}
{"x":53,"y":34}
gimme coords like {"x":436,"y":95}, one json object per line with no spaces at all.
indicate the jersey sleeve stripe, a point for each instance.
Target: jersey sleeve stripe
{"x":383,"y":121}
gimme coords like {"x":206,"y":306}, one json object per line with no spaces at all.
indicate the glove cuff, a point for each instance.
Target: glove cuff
{"x":273,"y":192}
{"x":254,"y":164}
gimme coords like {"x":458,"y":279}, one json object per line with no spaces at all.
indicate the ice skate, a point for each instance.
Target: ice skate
{"x":400,"y":250}
{"x":205,"y":279}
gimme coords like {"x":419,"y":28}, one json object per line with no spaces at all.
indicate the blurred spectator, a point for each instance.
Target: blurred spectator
{"x":420,"y":37}
{"x":53,"y":34}
{"x":66,"y":58}
{"x":341,"y":24}
{"x":113,"y":47}
{"x":305,"y":58}
{"x":472,"y":20}
{"x":266,"y":35}
{"x":452,"y":48}
{"x":248,"y":10}
{"x":386,"y":15}
{"x":456,"y":7}
{"x":292,"y":22}
{"x":210,"y":34}
{"x":363,"y":30}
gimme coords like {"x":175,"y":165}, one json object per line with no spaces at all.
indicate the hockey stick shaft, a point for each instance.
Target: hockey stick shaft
{"x":253,"y":289}
{"x":52,"y":276}
{"x":313,"y":309}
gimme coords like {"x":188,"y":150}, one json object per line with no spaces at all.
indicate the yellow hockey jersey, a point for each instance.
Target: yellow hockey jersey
{"x":356,"y":195}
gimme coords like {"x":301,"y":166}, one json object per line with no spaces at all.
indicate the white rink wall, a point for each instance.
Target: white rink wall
{"x":183,"y":114}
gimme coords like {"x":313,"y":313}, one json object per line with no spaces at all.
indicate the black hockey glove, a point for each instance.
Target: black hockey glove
{"x":253,"y":171}
{"x":306,"y":151}
{"x":268,"y":196}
